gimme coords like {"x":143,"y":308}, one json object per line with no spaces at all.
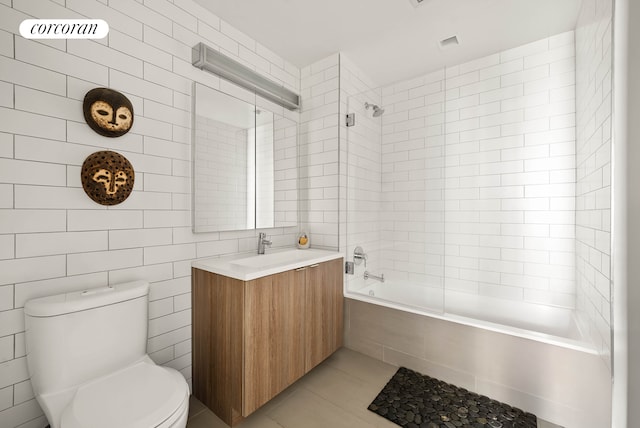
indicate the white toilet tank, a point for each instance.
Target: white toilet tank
{"x":74,"y":337}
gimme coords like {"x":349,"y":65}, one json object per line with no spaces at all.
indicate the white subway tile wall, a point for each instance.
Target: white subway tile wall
{"x":53,"y":238}
{"x":478,"y":175}
{"x":285,"y":170}
{"x":319,"y":152}
{"x":413,"y":180}
{"x":593,"y":161}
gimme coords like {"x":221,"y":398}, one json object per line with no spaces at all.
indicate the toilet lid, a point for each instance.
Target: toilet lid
{"x":140,"y":396}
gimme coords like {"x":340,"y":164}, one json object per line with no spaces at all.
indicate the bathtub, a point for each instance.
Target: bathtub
{"x":543,"y":323}
{"x":530,"y":356}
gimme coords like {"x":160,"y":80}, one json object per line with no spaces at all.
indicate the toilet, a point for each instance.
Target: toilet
{"x":86,"y":355}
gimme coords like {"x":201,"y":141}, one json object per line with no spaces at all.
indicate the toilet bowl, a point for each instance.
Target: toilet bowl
{"x":86,"y":354}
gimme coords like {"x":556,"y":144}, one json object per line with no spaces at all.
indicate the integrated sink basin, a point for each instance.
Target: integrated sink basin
{"x":250,"y":266}
{"x":267,"y":259}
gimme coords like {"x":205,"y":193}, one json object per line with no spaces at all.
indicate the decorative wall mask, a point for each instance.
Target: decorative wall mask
{"x":108,"y":112}
{"x":107,"y":177}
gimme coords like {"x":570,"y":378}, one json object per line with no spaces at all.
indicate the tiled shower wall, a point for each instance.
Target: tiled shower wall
{"x":53,"y":238}
{"x":492,"y":143}
{"x":413,"y":182}
{"x":593,"y":202}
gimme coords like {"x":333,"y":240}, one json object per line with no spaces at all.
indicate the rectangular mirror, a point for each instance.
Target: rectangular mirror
{"x":244,"y":165}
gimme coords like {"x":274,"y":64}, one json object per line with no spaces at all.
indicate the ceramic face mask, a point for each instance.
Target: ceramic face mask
{"x":107,"y":177}
{"x":108,"y":112}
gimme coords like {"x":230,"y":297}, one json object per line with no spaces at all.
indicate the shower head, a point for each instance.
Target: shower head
{"x":377,"y":111}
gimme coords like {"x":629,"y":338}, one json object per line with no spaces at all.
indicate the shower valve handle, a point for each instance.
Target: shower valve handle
{"x":359,"y":255}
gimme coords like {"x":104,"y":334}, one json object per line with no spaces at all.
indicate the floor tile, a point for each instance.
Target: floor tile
{"x":335,"y":394}
{"x":205,"y":419}
{"x":360,"y":366}
{"x":195,"y":407}
{"x":306,"y":409}
{"x":347,"y":392}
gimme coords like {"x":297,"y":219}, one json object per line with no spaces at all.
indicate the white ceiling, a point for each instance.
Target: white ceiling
{"x":390,"y":40}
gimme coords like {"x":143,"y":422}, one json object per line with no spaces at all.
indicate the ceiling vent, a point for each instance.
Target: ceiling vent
{"x":449,"y":42}
{"x":417,"y":3}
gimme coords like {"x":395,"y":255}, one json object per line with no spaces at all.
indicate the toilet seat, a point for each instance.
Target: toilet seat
{"x":142,"y":395}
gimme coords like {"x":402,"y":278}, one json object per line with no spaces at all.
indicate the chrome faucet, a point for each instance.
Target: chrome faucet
{"x":263,"y":242}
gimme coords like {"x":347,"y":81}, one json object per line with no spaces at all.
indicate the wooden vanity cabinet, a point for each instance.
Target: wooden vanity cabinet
{"x":273,"y":337}
{"x":252,"y":339}
{"x":324,"y":311}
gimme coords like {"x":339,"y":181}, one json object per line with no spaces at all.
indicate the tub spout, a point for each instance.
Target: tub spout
{"x":368,"y":275}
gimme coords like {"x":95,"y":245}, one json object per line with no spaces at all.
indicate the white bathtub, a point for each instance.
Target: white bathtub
{"x":530,"y":356}
{"x":543,"y":323}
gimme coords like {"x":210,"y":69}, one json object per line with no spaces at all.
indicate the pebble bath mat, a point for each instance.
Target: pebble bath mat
{"x":414,"y":400}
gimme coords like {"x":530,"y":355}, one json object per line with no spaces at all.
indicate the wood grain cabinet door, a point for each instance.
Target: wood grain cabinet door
{"x":252,"y":339}
{"x":324,"y":311}
{"x":273,"y":337}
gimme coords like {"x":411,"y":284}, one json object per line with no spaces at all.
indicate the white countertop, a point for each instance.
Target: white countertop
{"x":248,"y":266}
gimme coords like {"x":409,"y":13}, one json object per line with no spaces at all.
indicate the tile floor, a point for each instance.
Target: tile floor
{"x":335,"y":394}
